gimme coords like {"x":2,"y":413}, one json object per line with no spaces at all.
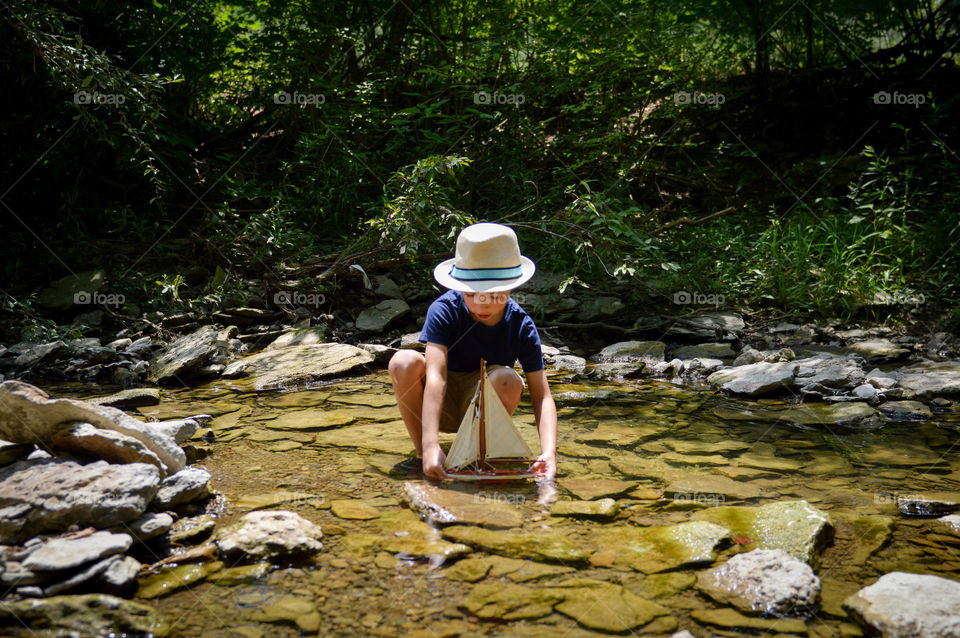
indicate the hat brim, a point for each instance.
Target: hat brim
{"x":442,"y":274}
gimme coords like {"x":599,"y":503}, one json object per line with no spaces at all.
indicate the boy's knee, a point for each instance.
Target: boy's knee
{"x":405,"y":362}
{"x":506,"y":379}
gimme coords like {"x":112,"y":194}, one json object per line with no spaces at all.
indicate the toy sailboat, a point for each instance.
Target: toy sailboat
{"x":487,"y":445}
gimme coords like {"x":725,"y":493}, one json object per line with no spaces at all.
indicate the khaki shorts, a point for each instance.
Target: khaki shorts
{"x":461,"y":386}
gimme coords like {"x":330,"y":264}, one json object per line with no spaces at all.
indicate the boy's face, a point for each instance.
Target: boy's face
{"x":486,"y":307}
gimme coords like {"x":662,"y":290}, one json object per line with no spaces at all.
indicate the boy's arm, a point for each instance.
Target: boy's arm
{"x":434,"y":387}
{"x":545,"y":411}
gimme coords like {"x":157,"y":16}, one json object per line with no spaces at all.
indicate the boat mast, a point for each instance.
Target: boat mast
{"x":483,"y":421}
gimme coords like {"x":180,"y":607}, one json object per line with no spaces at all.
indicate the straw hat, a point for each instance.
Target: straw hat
{"x":488,"y":259}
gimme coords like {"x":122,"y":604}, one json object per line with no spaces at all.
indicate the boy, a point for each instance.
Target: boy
{"x":475,"y":318}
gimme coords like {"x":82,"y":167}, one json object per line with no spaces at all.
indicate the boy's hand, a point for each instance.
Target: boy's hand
{"x":433,"y":458}
{"x":545,"y":464}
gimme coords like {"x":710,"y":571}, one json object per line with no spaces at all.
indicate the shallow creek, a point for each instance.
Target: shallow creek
{"x":306,"y":450}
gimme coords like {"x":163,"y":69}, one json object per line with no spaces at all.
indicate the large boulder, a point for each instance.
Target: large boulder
{"x":295,"y":365}
{"x":83,"y":439}
{"x":767,"y":581}
{"x":928,"y":379}
{"x":181,"y":359}
{"x":754,"y":379}
{"x":50,"y":495}
{"x":63,"y":293}
{"x":901,"y":605}
{"x":29,"y":415}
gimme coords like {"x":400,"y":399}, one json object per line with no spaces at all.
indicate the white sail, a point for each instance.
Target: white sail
{"x":502,"y":438}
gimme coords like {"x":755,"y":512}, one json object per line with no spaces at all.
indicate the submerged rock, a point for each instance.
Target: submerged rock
{"x":126,"y":399}
{"x":166,"y":582}
{"x":446,"y":506}
{"x":296,"y":365}
{"x":732,"y":619}
{"x":796,"y":527}
{"x":546,"y":547}
{"x":589,"y":489}
{"x":901,"y":605}
{"x":663,"y":547}
{"x":49,"y":495}
{"x":84,"y":615}
{"x":905,"y":411}
{"x":604,"y":508}
{"x":767,"y":581}
{"x":270,"y":534}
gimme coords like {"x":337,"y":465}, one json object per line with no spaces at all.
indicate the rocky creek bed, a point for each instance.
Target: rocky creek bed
{"x":797,"y":490}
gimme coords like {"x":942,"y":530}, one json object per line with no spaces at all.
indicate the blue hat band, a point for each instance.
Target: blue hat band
{"x":485,"y":274}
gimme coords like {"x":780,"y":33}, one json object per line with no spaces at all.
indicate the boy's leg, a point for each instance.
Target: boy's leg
{"x":407,"y":372}
{"x":509,"y":387}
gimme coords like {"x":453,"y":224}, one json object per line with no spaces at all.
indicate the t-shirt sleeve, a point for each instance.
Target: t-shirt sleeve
{"x":530,"y":355}
{"x":438,"y":326}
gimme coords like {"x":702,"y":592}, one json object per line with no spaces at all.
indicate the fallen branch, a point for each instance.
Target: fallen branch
{"x":692,"y":222}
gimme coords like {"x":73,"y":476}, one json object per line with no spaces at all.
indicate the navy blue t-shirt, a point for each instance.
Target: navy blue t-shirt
{"x":514,"y":337}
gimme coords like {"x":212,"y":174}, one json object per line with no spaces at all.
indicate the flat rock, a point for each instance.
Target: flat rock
{"x":29,"y":415}
{"x":84,"y":615}
{"x":928,"y":503}
{"x":732,"y":619}
{"x":66,"y":553}
{"x":126,"y":399}
{"x":171,"y":580}
{"x":188,"y":485}
{"x":497,"y":601}
{"x":647,"y":352}
{"x":718,"y":488}
{"x":85,"y":440}
{"x":879,"y":349}
{"x":34,"y":354}
{"x":828,"y":414}
{"x":947,"y":525}
{"x":767,"y":581}
{"x":795,"y":527}
{"x":928,"y":379}
{"x":270,"y":534}
{"x":272,"y":499}
{"x":706,"y":325}
{"x":149,"y":525}
{"x":377,"y":318}
{"x":604,"y":606}
{"x":49,"y":495}
{"x":589,"y":489}
{"x":354,"y":510}
{"x":905,"y":411}
{"x":446,"y":506}
{"x":306,"y":336}
{"x":901,"y":605}
{"x":663,"y":547}
{"x":546,"y":547}
{"x":706,"y":351}
{"x":829,"y":371}
{"x":604,"y":508}
{"x":298,"y":365}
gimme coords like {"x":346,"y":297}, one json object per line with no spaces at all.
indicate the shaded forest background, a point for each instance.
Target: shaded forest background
{"x":795,"y":155}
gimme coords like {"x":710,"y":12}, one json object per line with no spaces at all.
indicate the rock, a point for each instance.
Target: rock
{"x":132,"y":398}
{"x":701,"y":366}
{"x":707,"y":325}
{"x":510,"y":602}
{"x":12,"y":452}
{"x":37,"y":353}
{"x":617,"y":370}
{"x":901,"y":605}
{"x":121,"y":573}
{"x":85,"y":574}
{"x":386,"y":287}
{"x":754,"y":379}
{"x":570,"y":362}
{"x":192,"y":529}
{"x":185,"y":486}
{"x":306,"y":336}
{"x":663,"y":547}
{"x":732,"y":619}
{"x":706,"y":351}
{"x":406,"y":534}
{"x":168,"y":581}
{"x":381,"y":354}
{"x":29,"y":415}
{"x":710,"y":489}
{"x":85,"y":440}
{"x":353,"y":510}
{"x":830,"y":414}
{"x":767,"y":581}
{"x":905,"y":411}
{"x":296,"y":609}
{"x":149,"y":525}
{"x":747,"y":356}
{"x":141,"y":348}
{"x":412,"y":341}
{"x":68,"y":291}
{"x":864,"y":391}
{"x":49,"y":495}
{"x":545,"y":547}
{"x":928,"y":379}
{"x":589,"y":489}
{"x":879,"y":349}
{"x":181,"y":358}
{"x":66,"y":553}
{"x":83,"y":615}
{"x":295,"y":365}
{"x":647,"y":352}
{"x":796,"y":527}
{"x":446,"y":506}
{"x":272,"y":499}
{"x":829,"y":370}
{"x":241,"y":575}
{"x":377,"y":318}
{"x":180,"y":430}
{"x":604,"y":508}
{"x":270,"y":534}
{"x":605,"y":606}
{"x":928,"y":504}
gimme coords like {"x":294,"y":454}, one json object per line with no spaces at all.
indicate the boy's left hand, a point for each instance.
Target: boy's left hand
{"x":545,"y":464}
